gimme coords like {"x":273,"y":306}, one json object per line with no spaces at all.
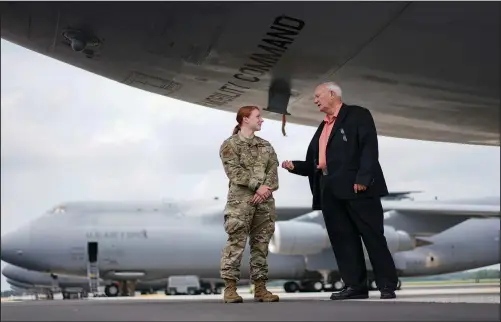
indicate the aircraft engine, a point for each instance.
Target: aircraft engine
{"x":298,"y":238}
{"x":397,"y":240}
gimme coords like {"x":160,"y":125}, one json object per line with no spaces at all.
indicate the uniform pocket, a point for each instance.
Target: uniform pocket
{"x":234,"y":225}
{"x":272,"y":211}
{"x":232,"y":205}
{"x":236,"y":215}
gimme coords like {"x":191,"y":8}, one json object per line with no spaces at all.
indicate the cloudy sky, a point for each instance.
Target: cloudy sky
{"x":68,"y":134}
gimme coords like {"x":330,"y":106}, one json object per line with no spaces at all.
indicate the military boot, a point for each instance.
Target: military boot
{"x":261,"y":294}
{"x":230,"y":292}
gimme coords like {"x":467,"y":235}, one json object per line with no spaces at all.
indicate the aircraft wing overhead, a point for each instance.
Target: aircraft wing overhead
{"x":441,"y":209}
{"x":224,"y":55}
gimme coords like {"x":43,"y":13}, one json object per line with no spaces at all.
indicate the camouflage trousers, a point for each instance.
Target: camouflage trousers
{"x":244,"y":221}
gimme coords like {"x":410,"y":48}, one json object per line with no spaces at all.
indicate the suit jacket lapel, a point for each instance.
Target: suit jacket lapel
{"x":319,"y":130}
{"x":316,"y":137}
{"x":339,"y":120}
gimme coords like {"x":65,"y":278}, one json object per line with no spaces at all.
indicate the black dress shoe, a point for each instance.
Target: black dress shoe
{"x":387,"y":294}
{"x":350,"y":293}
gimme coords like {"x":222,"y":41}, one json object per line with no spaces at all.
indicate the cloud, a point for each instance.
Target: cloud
{"x":70,"y":135}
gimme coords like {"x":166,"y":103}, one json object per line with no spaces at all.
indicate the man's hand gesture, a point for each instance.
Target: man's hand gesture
{"x":288,"y":165}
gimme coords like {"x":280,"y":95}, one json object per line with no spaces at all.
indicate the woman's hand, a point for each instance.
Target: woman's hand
{"x":262,"y":194}
{"x":264,"y":191}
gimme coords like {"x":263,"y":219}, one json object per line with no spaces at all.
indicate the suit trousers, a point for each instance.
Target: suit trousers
{"x":348,"y":222}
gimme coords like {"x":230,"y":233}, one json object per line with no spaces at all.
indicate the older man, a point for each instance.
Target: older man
{"x":347,"y":182}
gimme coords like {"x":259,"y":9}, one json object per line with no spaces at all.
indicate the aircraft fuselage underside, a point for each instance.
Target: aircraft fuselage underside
{"x":427,"y":70}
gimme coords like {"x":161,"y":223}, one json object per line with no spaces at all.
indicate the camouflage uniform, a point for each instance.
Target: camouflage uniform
{"x":248,"y":163}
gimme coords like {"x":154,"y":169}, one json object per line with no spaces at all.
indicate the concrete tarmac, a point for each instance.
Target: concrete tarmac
{"x":435,"y":305}
{"x":298,"y":310}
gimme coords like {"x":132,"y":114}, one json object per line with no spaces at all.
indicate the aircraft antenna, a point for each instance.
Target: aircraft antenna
{"x":284,"y":120}
{"x":279,"y":94}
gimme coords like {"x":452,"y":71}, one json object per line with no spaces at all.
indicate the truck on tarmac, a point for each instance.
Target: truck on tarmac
{"x":183,"y":284}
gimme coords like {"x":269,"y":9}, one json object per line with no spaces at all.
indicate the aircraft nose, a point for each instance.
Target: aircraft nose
{"x":14,"y":247}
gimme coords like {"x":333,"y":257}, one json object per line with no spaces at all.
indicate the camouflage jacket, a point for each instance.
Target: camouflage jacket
{"x":249,"y":162}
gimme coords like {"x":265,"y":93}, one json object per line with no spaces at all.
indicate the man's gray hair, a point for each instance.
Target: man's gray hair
{"x":331,"y":86}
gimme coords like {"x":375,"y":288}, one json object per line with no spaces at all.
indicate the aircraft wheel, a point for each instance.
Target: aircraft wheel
{"x":111,"y":290}
{"x":219,"y":287}
{"x":399,"y":284}
{"x":338,"y":285}
{"x":291,"y":287}
{"x":170,"y":291}
{"x":313,"y":286}
{"x":317,"y":286}
{"x":372,"y":285}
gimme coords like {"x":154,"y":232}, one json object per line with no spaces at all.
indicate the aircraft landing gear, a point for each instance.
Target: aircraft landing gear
{"x":205,"y":287}
{"x":313,"y":286}
{"x":338,"y":285}
{"x":72,"y":295}
{"x":111,"y":290}
{"x":333,"y":284}
{"x":122,"y":288}
{"x":323,"y":282}
{"x":128,"y":288}
{"x":372,"y":285}
{"x":304,"y":286}
{"x":54,"y":285}
{"x":291,"y":287}
{"x":218,"y":288}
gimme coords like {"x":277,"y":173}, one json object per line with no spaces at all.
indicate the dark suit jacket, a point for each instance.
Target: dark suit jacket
{"x":352,"y":157}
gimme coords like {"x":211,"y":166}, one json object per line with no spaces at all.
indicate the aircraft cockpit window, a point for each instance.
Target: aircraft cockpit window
{"x":59,"y":210}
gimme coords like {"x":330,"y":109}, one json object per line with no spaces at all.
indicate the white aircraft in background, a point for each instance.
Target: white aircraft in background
{"x":150,"y":241}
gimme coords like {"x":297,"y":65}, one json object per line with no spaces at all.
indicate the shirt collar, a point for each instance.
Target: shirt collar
{"x":251,"y":140}
{"x":331,"y":118}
